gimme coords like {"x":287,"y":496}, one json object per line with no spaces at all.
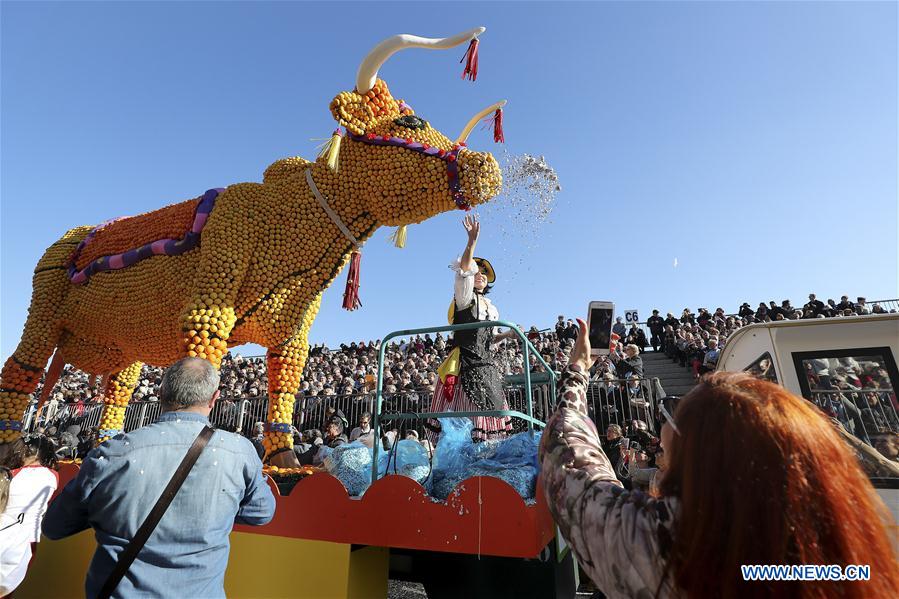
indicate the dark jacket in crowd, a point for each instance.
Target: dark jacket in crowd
{"x":846,"y":305}
{"x":612,"y":450}
{"x":816,"y":306}
{"x":560,"y":330}
{"x":68,"y":441}
{"x":628,"y":366}
{"x":773,"y":312}
{"x":305,"y":453}
{"x":337,"y":441}
{"x":641,"y":341}
{"x":656,"y":324}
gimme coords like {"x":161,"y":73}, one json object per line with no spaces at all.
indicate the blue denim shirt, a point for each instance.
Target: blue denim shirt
{"x":119,"y":484}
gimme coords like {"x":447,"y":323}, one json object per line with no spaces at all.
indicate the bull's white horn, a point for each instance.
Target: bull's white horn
{"x":476,"y":119}
{"x":368,"y":70}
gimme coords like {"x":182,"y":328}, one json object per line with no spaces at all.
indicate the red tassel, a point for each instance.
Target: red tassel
{"x":498,"y":135}
{"x":351,"y":293}
{"x":471,"y":61}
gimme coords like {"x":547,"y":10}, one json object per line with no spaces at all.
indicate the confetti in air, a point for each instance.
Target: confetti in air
{"x":525,"y":204}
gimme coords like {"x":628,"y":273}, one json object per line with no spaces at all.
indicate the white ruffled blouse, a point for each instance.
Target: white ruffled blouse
{"x":464,"y":292}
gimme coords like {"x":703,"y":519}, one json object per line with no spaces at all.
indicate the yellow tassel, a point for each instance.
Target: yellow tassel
{"x":334,"y":151}
{"x":331,"y":150}
{"x":399,"y":237}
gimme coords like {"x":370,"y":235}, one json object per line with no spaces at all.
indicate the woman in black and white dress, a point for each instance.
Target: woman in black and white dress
{"x":470,"y":379}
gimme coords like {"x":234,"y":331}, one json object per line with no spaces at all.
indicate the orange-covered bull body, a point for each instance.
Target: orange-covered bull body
{"x":167,"y":284}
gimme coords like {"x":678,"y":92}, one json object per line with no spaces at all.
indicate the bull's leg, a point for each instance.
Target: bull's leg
{"x":285,"y":363}
{"x":206,"y":329}
{"x":18,"y":381}
{"x":116,"y":396}
{"x":22,"y":372}
{"x":285,"y":366}
{"x":209,"y":316}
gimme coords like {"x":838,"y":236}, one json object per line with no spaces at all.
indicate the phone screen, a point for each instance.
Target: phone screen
{"x":600,"y":327}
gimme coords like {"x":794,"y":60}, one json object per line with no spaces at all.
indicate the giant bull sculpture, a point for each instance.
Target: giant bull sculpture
{"x":244,"y":264}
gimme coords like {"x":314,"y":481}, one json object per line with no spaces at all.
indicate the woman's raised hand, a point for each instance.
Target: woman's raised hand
{"x":472,"y":227}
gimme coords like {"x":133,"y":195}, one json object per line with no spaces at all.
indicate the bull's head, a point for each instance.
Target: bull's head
{"x":408,"y":170}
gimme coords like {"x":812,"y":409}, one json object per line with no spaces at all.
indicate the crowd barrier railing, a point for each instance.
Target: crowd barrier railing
{"x":624,"y":402}
{"x":609,"y":402}
{"x":66,"y":415}
{"x":887,"y":304}
{"x":241,"y":414}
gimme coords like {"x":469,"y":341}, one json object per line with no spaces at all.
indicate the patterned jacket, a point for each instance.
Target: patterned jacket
{"x":617,"y":536}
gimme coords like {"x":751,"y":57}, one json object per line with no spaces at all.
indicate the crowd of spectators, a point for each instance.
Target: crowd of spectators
{"x":410,"y":365}
{"x":693,"y":340}
{"x":410,"y":375}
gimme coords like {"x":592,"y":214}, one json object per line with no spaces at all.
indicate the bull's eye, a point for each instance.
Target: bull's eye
{"x":411,"y":122}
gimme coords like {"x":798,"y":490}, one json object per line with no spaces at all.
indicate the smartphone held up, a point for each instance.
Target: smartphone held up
{"x":599,"y":325}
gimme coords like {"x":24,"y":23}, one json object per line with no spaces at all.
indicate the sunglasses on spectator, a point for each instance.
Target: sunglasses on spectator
{"x":667,"y":408}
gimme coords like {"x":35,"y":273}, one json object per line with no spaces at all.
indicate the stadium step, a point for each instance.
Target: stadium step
{"x":675,"y":379}
{"x":664,"y":368}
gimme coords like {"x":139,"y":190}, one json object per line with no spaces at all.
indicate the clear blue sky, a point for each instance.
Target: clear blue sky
{"x":754,"y":142}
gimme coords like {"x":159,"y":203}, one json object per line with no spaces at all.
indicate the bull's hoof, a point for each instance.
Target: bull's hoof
{"x":285,"y":458}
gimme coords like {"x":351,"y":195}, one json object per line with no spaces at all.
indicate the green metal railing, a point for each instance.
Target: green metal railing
{"x":528,"y":349}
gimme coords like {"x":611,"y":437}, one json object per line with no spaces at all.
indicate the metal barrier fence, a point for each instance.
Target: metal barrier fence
{"x":65,"y":416}
{"x":241,"y":415}
{"x":139,"y":413}
{"x":543,"y":400}
{"x":618,"y":401}
{"x":887,"y":304}
{"x":866,"y":413}
{"x":624,"y":402}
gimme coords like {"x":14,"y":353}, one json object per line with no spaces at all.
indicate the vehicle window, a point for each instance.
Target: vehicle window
{"x":858,"y":388}
{"x":763,"y":368}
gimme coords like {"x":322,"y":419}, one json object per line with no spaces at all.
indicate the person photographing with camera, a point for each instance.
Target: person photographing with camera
{"x":754,"y":475}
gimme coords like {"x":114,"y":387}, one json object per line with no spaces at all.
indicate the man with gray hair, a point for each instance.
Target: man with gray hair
{"x":121,"y":480}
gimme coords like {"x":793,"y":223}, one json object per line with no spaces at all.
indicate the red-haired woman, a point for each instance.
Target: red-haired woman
{"x":755,"y":476}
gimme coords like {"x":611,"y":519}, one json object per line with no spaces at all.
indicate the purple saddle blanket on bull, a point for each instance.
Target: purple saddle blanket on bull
{"x":122,"y":242}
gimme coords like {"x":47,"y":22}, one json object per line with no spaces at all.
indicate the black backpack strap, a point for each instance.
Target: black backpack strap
{"x":128,"y":556}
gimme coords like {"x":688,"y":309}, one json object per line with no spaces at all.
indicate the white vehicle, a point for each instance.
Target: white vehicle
{"x":846,"y":366}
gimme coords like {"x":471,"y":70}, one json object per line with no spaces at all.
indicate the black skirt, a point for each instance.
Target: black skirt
{"x":479,"y":375}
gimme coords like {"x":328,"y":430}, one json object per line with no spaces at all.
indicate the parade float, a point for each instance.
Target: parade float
{"x":248,"y":264}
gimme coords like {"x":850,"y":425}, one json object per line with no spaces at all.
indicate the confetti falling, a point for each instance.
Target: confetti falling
{"x":524,"y":205}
